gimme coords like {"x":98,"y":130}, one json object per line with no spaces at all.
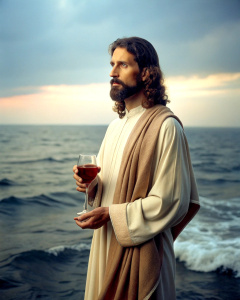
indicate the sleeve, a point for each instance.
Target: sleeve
{"x":168,"y":199}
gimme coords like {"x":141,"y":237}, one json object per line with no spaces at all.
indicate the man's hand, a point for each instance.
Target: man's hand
{"x":81,"y":186}
{"x":93,"y":219}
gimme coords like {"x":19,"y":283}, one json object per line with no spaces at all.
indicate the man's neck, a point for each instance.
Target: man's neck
{"x":135,"y":100}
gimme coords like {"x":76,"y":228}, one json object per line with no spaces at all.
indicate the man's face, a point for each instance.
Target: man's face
{"x":126,"y":79}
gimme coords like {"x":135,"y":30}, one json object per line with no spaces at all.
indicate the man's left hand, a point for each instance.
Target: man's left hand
{"x":93,"y":219}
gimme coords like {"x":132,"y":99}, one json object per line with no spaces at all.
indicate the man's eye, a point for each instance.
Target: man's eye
{"x":124,"y":65}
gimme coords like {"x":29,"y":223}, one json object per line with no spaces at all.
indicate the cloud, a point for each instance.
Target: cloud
{"x":198,"y":101}
{"x":83,"y":104}
{"x":214,"y":83}
{"x":206,"y":101}
{"x":65,"y":42}
{"x":54,"y":60}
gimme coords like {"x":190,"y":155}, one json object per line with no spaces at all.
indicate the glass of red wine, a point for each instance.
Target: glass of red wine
{"x":87,"y":170}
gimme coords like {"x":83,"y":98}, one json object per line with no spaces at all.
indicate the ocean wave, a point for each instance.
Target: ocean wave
{"x":49,"y":255}
{"x":7,"y":182}
{"x":236,"y":168}
{"x":222,"y":206}
{"x":213,"y":167}
{"x":60,"y":249}
{"x":5,"y":141}
{"x":12,"y":200}
{"x":217,"y":181}
{"x":209,"y":255}
{"x":46,"y":159}
{"x":211,"y":242}
{"x":42,"y":200}
{"x":58,"y":272}
{"x":232,"y":202}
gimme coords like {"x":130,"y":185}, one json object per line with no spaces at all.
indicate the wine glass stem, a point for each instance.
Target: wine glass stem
{"x":86,"y":199}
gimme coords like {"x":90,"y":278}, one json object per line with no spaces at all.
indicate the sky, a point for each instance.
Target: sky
{"x":54,"y":60}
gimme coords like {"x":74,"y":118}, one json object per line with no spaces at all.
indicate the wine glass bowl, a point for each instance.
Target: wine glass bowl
{"x":87,"y":170}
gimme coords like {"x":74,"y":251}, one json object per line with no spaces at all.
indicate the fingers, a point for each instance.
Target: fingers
{"x":94,"y":219}
{"x":88,"y":224}
{"x":81,"y":186}
{"x":84,"y":221}
{"x":79,"y":223}
{"x":75,"y":171}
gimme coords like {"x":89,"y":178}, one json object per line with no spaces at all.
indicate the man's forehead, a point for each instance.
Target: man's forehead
{"x":121,"y":54}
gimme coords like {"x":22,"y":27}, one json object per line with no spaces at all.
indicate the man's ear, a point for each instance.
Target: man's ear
{"x":145,"y":74}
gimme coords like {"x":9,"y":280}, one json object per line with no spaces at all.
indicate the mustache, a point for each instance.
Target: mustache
{"x":115,"y":80}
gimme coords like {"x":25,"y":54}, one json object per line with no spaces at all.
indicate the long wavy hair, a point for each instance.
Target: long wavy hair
{"x":147,"y":59}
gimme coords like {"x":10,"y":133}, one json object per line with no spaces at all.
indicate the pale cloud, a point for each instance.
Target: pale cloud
{"x":198,"y":101}
{"x":83,"y":104}
{"x":192,"y":85}
{"x":66,"y":41}
{"x":206,"y":101}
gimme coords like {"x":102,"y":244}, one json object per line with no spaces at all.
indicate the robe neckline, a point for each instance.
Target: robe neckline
{"x":134,"y":111}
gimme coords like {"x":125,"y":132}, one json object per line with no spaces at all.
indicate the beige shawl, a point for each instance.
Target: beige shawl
{"x":133,"y":272}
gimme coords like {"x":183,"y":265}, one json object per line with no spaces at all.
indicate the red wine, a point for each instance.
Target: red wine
{"x":87,"y":172}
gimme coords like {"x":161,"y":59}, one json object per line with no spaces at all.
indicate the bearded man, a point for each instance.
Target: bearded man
{"x":145,"y":192}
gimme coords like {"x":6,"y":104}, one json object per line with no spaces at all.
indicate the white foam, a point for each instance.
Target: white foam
{"x":58,"y":249}
{"x":207,"y":257}
{"x":208,"y":244}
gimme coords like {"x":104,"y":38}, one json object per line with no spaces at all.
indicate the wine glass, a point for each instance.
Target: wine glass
{"x":87,"y":170}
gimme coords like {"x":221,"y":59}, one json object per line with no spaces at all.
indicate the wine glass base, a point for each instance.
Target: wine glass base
{"x":82,"y":212}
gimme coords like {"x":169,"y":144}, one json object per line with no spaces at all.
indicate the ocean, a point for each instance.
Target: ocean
{"x":44,"y":254}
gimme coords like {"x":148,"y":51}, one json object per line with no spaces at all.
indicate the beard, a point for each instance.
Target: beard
{"x":119,"y":94}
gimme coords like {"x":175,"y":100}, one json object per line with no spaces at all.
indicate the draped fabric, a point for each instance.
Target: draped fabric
{"x":133,"y":272}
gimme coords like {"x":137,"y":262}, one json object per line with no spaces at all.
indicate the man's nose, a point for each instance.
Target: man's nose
{"x":114,"y":72}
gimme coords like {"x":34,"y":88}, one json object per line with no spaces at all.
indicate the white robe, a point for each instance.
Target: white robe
{"x":165,"y":205}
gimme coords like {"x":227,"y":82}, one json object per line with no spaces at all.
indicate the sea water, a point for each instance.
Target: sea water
{"x":44,"y":254}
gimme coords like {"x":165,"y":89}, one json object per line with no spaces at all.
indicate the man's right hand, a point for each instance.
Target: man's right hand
{"x":81,"y":187}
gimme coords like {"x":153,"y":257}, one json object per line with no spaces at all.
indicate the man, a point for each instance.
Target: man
{"x":145,"y":192}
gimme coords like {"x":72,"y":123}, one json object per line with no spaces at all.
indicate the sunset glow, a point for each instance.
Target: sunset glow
{"x":55,"y":63}
{"x":190,"y":97}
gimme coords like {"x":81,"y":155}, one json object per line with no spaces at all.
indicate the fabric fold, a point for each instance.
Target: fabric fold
{"x":133,"y":272}
{"x":119,"y":222}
